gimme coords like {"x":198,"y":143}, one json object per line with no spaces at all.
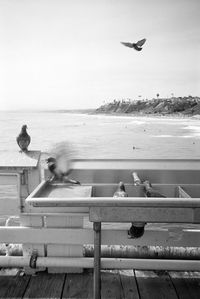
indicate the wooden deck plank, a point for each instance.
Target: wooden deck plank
{"x":78,"y":286}
{"x":154,"y":284}
{"x":111,"y":285}
{"x":13,"y":286}
{"x":187,"y":284}
{"x":128,"y":283}
{"x":45,"y":285}
{"x":115,"y":284}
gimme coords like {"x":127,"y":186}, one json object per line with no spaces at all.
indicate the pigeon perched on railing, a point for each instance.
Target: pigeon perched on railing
{"x":23,"y":139}
{"x":120,"y":192}
{"x":150,"y":191}
{"x":137,"y":46}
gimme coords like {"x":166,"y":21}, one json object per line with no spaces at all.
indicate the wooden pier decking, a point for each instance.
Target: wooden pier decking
{"x":118,"y":284}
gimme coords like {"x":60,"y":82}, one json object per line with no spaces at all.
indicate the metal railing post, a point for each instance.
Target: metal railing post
{"x":97,"y":260}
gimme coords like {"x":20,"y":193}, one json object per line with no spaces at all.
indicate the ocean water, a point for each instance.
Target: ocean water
{"x":100,"y":136}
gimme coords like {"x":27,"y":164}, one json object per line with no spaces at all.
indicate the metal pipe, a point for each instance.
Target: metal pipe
{"x":150,"y":252}
{"x":97,"y":260}
{"x":106,"y":263}
{"x":121,"y":251}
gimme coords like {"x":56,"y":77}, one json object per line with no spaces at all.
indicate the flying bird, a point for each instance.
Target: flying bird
{"x":58,"y":173}
{"x":137,"y":46}
{"x":23,"y":139}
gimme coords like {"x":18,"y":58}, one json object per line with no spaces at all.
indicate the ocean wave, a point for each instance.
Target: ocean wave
{"x":164,"y":136}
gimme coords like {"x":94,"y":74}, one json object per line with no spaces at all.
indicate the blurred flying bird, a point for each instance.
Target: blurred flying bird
{"x":23,"y":139}
{"x":120,"y":192}
{"x":60,"y":162}
{"x":137,"y":46}
{"x":58,"y":174}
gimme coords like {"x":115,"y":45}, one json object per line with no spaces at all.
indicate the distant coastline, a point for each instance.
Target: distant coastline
{"x":176,"y":107}
{"x":170,"y":107}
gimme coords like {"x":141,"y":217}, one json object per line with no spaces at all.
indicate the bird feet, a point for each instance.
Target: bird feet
{"x":67,"y":180}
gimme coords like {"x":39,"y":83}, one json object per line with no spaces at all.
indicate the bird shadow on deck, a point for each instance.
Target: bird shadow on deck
{"x":117,"y":284}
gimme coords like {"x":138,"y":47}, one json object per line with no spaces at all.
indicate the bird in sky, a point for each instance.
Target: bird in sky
{"x":137,"y":46}
{"x":58,"y":173}
{"x":23,"y":139}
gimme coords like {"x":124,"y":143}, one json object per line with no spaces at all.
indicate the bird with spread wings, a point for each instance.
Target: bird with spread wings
{"x":137,"y":46}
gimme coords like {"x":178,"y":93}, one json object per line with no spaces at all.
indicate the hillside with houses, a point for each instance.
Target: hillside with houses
{"x":187,"y":106}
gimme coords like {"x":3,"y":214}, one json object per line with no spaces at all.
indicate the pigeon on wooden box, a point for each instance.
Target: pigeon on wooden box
{"x":23,"y":139}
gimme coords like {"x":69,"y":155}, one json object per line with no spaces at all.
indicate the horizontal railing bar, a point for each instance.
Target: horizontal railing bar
{"x":56,"y":214}
{"x":106,"y":263}
{"x":132,"y":164}
{"x":77,"y":236}
{"x":145,"y":214}
{"x":110,"y":202}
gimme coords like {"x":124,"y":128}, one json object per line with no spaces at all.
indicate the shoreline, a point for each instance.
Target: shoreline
{"x":167,"y":116}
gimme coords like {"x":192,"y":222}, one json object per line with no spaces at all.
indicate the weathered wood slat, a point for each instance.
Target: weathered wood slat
{"x":78,"y":286}
{"x":110,"y":285}
{"x":136,"y":214}
{"x":13,"y":286}
{"x":45,"y":286}
{"x":128,"y":284}
{"x":153,"y":284}
{"x":152,"y":237}
{"x":187,"y":284}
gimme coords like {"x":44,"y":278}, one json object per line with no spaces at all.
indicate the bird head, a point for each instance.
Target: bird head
{"x":50,"y":160}
{"x":24,"y":127}
{"x":121,"y":186}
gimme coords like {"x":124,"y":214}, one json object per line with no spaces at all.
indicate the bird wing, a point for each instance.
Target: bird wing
{"x":141,"y":42}
{"x":130,"y":45}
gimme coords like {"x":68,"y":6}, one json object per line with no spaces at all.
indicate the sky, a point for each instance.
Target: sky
{"x":66,"y":54}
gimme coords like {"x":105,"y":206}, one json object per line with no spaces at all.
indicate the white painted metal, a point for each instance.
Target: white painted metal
{"x":28,"y":247}
{"x":17,"y":159}
{"x":110,"y":202}
{"x":10,"y":206}
{"x":106,"y":263}
{"x":77,"y":236}
{"x":145,"y":214}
